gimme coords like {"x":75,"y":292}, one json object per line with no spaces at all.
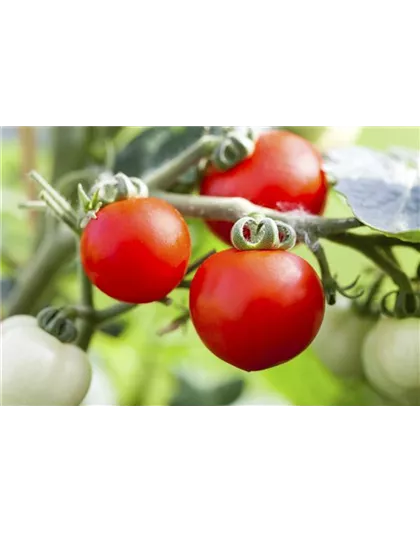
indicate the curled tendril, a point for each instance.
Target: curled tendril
{"x":343,"y":290}
{"x":331,"y":287}
{"x":234,"y":148}
{"x":119,"y":187}
{"x":263,"y":232}
{"x":384,"y":304}
{"x":54,"y":322}
{"x":406,"y":304}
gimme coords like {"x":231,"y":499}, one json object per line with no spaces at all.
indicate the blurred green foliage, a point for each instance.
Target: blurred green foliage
{"x":176,"y":369}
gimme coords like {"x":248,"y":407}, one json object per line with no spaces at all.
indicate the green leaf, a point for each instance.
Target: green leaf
{"x":154,"y":146}
{"x":188,"y":393}
{"x":304,"y":381}
{"x":226,"y":393}
{"x":382,"y":189}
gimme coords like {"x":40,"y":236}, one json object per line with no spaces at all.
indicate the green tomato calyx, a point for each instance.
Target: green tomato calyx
{"x":109,"y":189}
{"x":89,"y":205}
{"x":234,"y":147}
{"x":119,"y":187}
{"x":264,"y":234}
{"x":55,"y":322}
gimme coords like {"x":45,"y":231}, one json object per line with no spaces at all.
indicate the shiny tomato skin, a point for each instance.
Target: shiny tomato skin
{"x":256,"y":309}
{"x":137,"y":250}
{"x":284,"y":173}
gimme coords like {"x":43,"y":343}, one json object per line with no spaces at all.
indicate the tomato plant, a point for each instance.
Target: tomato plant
{"x":283,"y":173}
{"x":391,"y":359}
{"x":256,"y":309}
{"x":136,"y":250}
{"x":38,"y":369}
{"x":255,"y":306}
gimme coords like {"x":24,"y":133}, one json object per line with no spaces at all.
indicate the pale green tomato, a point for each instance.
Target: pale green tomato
{"x":38,"y":369}
{"x":328,"y":137}
{"x":339,"y":342}
{"x":101,"y":391}
{"x":391,"y":359}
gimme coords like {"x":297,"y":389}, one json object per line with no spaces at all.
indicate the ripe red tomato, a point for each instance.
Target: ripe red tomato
{"x":284,"y":173}
{"x":137,"y":250}
{"x":256,"y":309}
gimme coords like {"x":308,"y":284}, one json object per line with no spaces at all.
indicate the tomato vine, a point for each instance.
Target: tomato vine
{"x":83,"y":200}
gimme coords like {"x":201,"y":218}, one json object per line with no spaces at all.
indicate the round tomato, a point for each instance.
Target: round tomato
{"x":136,"y":250}
{"x":328,"y":137}
{"x":38,"y":369}
{"x":339,"y":342}
{"x":256,"y":309}
{"x":391,"y":359}
{"x":284,"y":173}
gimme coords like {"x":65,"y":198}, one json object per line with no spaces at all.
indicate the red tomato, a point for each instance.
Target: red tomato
{"x":256,"y":309}
{"x":137,"y":250}
{"x":284,"y":173}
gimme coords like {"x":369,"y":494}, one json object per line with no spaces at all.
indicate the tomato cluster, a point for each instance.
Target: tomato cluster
{"x":384,"y":352}
{"x":253,"y":309}
{"x":254,"y":305}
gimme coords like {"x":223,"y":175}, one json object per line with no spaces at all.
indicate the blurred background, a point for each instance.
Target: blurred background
{"x":133,"y":365}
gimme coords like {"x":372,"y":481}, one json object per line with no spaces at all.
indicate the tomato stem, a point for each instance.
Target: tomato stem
{"x":52,"y":193}
{"x":112,"y":312}
{"x":36,"y":205}
{"x":366,"y":241}
{"x":38,"y":274}
{"x":175,"y":324}
{"x":98,"y":317}
{"x":366,"y":308}
{"x":70,"y":219}
{"x":86,"y":326}
{"x":377,"y":254}
{"x":405,"y":305}
{"x":329,"y":283}
{"x":232,"y":209}
{"x":168,"y":174}
{"x":193,"y":266}
{"x":383,"y":257}
{"x":57,"y":203}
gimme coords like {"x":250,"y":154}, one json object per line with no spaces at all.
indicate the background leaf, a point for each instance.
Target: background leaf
{"x":6,"y":286}
{"x":154,"y":146}
{"x":382,"y":189}
{"x":226,"y":393}
{"x":114,"y":329}
{"x":188,"y":393}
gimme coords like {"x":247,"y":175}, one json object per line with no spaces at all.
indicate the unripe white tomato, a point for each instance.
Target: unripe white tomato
{"x":391,"y":359}
{"x":329,"y":137}
{"x":101,"y":391}
{"x":339,"y":342}
{"x":38,"y":369}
